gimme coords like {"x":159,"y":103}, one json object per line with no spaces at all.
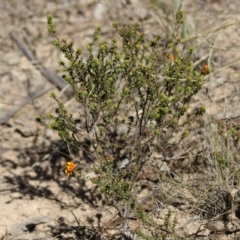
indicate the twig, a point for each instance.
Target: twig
{"x":210,"y":31}
{"x":25,"y":101}
{"x":3,"y":189}
{"x":49,"y":75}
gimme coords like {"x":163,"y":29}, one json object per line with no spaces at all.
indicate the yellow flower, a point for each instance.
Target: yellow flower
{"x":70,"y":167}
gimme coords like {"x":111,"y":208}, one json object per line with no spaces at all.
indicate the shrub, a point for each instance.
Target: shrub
{"x":134,"y":95}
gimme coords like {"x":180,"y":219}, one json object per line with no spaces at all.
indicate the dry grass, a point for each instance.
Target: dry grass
{"x":197,"y":183}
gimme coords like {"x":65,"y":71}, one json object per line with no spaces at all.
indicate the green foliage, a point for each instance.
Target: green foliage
{"x":128,"y":83}
{"x":51,"y":24}
{"x":63,"y":122}
{"x":159,"y":84}
{"x":113,"y":185}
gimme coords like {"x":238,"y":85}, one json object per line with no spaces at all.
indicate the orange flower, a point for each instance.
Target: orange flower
{"x":205,"y":69}
{"x":70,"y":167}
{"x":171,"y":57}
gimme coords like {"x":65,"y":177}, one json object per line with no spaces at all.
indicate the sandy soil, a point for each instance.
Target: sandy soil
{"x":36,"y":198}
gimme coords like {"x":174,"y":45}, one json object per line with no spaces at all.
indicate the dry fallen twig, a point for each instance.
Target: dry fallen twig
{"x":53,"y":78}
{"x":37,"y":94}
{"x":49,"y":75}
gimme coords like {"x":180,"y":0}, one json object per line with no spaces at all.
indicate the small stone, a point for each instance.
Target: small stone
{"x":99,"y":11}
{"x":16,"y":195}
{"x":217,"y":226}
{"x":11,"y":58}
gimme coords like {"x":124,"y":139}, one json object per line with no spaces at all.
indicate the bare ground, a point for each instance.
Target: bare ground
{"x":36,"y":197}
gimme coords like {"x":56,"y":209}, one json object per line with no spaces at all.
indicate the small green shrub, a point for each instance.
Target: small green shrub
{"x":133,"y":95}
